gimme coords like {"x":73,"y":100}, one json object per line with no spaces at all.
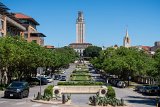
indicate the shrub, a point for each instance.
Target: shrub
{"x":3,"y":86}
{"x":83,"y":83}
{"x":48,"y":92}
{"x":111,"y":92}
{"x":104,"y":101}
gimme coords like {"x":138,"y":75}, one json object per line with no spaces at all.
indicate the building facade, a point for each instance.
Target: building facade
{"x":126,"y":40}
{"x":155,"y":47}
{"x":9,"y":25}
{"x":80,"y":44}
{"x":30,"y":34}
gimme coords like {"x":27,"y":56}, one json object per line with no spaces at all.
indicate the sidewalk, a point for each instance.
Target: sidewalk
{"x":1,"y":92}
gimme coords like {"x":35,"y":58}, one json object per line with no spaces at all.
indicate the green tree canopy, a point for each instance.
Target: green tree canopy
{"x":92,"y":51}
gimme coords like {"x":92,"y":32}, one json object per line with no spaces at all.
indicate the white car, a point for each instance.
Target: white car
{"x":49,"y":79}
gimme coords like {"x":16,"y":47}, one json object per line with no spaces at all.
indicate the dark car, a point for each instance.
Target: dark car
{"x":17,"y":89}
{"x":35,"y":81}
{"x":43,"y":80}
{"x":57,"y":77}
{"x":138,"y":87}
{"x":63,"y":78}
{"x":152,"y":90}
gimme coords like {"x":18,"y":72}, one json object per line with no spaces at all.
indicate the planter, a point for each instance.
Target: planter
{"x":47,"y":102}
{"x":68,"y":102}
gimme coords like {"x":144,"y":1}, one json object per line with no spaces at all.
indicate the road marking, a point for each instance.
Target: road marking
{"x":20,"y":103}
{"x":2,"y":102}
{"x":36,"y":105}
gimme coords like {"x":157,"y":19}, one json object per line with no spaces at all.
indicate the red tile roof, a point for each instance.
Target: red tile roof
{"x":23,"y":16}
{"x":147,"y":48}
{"x":49,"y":47}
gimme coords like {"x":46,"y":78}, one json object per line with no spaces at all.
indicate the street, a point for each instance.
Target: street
{"x":25,"y":102}
{"x":132,"y":98}
{"x":135,"y":99}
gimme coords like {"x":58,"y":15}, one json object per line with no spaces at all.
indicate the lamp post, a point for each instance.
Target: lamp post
{"x":39,"y":71}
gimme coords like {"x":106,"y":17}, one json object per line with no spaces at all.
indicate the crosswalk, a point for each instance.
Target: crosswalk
{"x":6,"y":103}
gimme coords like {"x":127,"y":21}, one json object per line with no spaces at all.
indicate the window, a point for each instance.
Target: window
{"x":2,"y":24}
{"x":1,"y":34}
{"x":25,"y":36}
{"x":35,"y":41}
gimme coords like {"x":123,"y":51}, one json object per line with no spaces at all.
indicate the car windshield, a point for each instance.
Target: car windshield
{"x":16,"y":84}
{"x":148,"y":87}
{"x":155,"y":87}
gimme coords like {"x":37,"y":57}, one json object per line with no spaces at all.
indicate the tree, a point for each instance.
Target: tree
{"x":19,"y":58}
{"x":124,"y":62}
{"x":156,"y":72}
{"x":92,"y":51}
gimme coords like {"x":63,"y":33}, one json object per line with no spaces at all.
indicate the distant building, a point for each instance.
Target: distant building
{"x":147,"y":49}
{"x":155,"y":47}
{"x":127,"y":41}
{"x":80,"y":44}
{"x":49,"y":47}
{"x":9,"y":25}
{"x":31,"y":34}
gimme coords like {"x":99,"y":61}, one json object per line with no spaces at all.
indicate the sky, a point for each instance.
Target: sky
{"x":106,"y":20}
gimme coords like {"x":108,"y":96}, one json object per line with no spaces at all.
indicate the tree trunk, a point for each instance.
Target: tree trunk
{"x":0,"y":76}
{"x":5,"y":77}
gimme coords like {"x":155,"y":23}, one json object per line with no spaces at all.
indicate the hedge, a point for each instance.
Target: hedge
{"x":48,"y":92}
{"x":81,"y":71}
{"x":78,"y":83}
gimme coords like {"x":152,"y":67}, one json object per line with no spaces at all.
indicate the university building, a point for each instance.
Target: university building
{"x":9,"y":25}
{"x":18,"y":24}
{"x":80,"y":44}
{"x":30,"y":34}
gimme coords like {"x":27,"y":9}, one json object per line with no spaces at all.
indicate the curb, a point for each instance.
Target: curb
{"x":46,"y":102}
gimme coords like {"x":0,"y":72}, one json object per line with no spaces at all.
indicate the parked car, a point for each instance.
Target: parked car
{"x":36,"y":80}
{"x":49,"y":79}
{"x":63,"y":71}
{"x":17,"y":89}
{"x":121,"y":84}
{"x":152,"y":90}
{"x":57,"y":77}
{"x":138,"y":87}
{"x":43,"y":80}
{"x":63,"y":78}
{"x":149,"y":89}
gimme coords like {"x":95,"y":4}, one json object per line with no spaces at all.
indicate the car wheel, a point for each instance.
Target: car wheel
{"x":21,"y":95}
{"x":26,"y":93}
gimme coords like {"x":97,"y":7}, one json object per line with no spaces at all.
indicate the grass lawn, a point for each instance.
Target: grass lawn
{"x":80,"y":78}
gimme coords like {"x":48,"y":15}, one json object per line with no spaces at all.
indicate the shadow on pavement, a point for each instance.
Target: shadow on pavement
{"x":142,"y":100}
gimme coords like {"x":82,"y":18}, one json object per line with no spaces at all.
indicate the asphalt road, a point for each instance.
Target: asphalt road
{"x":135,"y":99}
{"x":131,"y":97}
{"x":25,"y":102}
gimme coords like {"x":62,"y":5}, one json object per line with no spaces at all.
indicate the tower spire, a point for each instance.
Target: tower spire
{"x":127,"y":35}
{"x":126,"y":41}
